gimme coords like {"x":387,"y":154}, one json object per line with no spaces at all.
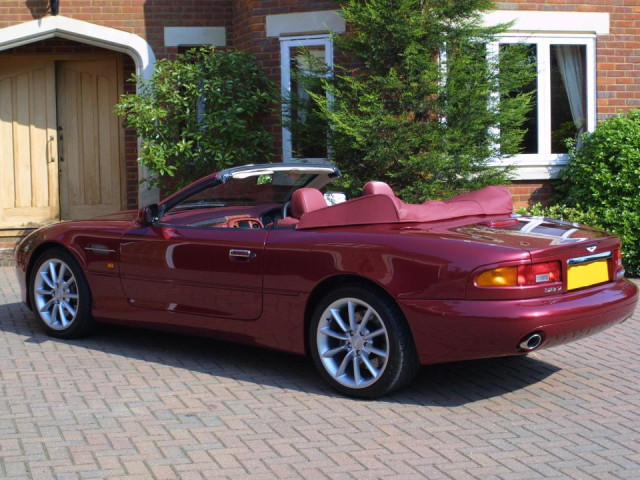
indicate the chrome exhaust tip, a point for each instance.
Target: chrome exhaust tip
{"x":530,"y":342}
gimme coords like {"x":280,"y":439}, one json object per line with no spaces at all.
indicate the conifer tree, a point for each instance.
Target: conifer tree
{"x":425,"y":104}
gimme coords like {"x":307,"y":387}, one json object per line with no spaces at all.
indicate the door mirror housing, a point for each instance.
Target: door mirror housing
{"x":148,"y":215}
{"x":334,"y":198}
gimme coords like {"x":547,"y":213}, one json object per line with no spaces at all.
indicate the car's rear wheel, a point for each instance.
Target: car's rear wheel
{"x":361,"y":343}
{"x":60,"y":295}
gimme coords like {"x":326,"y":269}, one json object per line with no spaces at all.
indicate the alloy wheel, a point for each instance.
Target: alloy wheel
{"x":352,"y":343}
{"x":55,"y":293}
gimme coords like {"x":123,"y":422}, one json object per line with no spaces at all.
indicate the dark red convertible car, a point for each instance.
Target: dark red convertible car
{"x":371,"y":287}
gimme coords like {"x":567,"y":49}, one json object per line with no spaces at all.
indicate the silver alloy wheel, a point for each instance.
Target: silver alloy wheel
{"x":352,"y":343}
{"x":55,"y":294}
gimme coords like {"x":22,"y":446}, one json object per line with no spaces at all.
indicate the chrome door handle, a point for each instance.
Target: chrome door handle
{"x":239,"y":254}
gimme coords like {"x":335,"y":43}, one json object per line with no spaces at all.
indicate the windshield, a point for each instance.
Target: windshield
{"x":271,"y":188}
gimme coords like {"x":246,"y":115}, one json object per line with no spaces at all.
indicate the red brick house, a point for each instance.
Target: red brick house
{"x":64,"y":155}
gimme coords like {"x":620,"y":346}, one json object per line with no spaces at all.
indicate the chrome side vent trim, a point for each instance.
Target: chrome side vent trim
{"x":99,"y":249}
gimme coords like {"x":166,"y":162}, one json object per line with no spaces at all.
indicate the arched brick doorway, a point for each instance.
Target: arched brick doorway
{"x":64,"y":154}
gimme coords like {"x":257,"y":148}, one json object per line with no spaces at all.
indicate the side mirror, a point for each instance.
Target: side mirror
{"x":148,"y":215}
{"x":334,"y":198}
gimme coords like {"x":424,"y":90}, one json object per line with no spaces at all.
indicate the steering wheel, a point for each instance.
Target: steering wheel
{"x":244,"y":222}
{"x":285,"y":209}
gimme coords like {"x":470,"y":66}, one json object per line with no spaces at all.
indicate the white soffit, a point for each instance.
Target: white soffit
{"x":84,"y":32}
{"x":305,"y":23}
{"x":177,"y":36}
{"x":537,"y":21}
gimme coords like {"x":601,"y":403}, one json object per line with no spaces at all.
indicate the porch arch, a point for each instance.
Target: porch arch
{"x":100,"y":36}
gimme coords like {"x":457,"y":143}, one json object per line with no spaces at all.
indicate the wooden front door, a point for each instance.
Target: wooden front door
{"x":28,"y":148}
{"x":89,"y":135}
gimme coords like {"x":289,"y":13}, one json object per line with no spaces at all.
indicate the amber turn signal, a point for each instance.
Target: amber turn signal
{"x":499,"y":277}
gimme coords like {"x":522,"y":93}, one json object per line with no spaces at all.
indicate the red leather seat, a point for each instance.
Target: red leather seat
{"x":381,"y":188}
{"x":304,"y":200}
{"x":378,"y":188}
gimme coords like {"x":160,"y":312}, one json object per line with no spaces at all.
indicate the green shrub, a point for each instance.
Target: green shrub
{"x":200,"y":113}
{"x":563,"y":212}
{"x":601,"y":185}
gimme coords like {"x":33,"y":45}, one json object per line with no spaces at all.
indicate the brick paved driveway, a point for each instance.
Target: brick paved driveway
{"x":138,"y":404}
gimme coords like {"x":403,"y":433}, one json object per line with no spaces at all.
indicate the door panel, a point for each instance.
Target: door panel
{"x":28,"y":147}
{"x":190,"y":270}
{"x":90,"y":173}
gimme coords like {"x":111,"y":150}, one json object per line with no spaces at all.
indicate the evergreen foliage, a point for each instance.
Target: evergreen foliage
{"x":425,"y":107}
{"x":601,"y":185}
{"x":603,"y":179}
{"x":200,"y":113}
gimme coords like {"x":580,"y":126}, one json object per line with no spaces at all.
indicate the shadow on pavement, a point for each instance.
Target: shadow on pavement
{"x":444,"y":385}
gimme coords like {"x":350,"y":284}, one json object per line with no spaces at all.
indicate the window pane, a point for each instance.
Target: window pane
{"x":308,"y":130}
{"x":530,"y":140}
{"x":568,"y":94}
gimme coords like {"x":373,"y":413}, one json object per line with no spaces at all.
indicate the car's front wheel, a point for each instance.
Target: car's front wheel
{"x":361,"y":343}
{"x":60,"y":295}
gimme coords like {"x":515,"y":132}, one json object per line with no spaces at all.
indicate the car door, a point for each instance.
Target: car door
{"x":202,"y":271}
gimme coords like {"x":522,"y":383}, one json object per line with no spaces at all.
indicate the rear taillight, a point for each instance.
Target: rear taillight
{"x":521,"y":275}
{"x":618,"y":268}
{"x":539,"y":273}
{"x":617,"y":259}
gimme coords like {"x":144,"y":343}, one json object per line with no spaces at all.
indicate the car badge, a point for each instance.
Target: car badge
{"x":591,"y":249}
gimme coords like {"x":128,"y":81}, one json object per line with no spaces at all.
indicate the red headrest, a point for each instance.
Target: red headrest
{"x":306,"y":200}
{"x":378,"y":188}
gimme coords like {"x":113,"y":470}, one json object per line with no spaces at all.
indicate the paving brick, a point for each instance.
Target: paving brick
{"x":129,"y":403}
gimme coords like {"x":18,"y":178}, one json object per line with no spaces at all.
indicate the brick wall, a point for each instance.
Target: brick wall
{"x":618,"y":54}
{"x":527,"y":193}
{"x":130,"y":140}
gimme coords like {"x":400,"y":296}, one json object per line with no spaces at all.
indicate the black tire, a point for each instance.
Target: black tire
{"x":63,"y":307}
{"x":360,"y":348}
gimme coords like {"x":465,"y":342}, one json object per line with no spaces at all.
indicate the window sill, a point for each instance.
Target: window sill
{"x":535,"y":166}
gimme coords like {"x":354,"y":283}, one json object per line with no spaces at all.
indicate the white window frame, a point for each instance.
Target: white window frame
{"x":286,"y":43}
{"x":545,"y":164}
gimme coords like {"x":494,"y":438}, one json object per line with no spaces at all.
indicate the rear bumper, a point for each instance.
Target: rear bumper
{"x":448,"y":330}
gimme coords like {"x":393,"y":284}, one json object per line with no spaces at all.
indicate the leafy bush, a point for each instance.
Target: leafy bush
{"x":563,"y":212}
{"x":601,"y":184}
{"x":200,"y":113}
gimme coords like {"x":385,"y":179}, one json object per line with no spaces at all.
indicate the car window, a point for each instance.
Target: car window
{"x":255,"y":190}
{"x":244,"y":202}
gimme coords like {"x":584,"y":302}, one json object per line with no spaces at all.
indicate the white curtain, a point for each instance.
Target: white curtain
{"x":571,"y":63}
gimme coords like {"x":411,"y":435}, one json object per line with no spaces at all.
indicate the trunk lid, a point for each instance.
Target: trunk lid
{"x":541,"y":237}
{"x":587,"y":256}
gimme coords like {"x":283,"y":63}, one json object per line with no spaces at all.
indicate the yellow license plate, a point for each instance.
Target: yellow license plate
{"x":579,"y":276}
